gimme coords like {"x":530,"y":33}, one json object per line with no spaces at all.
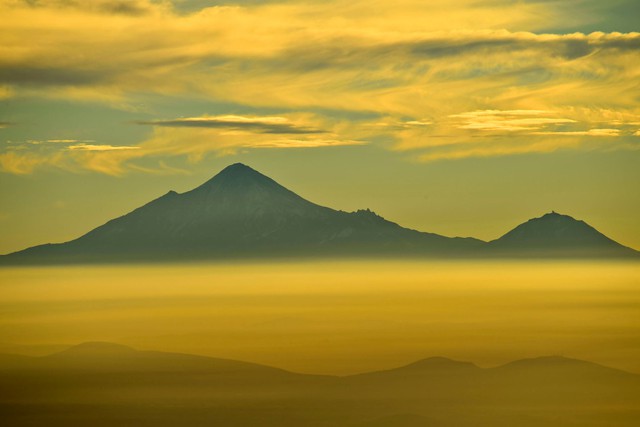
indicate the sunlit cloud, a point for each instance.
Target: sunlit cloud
{"x":92,"y":147}
{"x":69,"y":141}
{"x":193,"y":138}
{"x":305,"y":143}
{"x":590,"y":132}
{"x":508,"y":121}
{"x":438,"y":80}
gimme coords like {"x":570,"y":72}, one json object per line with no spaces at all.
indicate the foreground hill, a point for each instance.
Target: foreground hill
{"x":240,"y":213}
{"x":102,"y":384}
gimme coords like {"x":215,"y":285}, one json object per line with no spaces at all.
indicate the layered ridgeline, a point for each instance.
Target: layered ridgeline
{"x":241,"y":213}
{"x":103,"y":384}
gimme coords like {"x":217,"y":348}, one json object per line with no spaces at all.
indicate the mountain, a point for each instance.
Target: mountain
{"x":241,"y":213}
{"x":103,"y":384}
{"x":555,"y":234}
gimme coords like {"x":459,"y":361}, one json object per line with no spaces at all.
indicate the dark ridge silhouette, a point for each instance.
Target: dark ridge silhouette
{"x":240,"y":213}
{"x":107,"y":384}
{"x":556,"y":234}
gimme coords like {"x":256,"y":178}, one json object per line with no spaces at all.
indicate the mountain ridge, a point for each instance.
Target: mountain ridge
{"x":148,"y":388}
{"x":241,"y":213}
{"x":90,"y":349}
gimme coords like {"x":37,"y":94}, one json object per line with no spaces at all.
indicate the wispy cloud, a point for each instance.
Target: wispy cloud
{"x":193,"y":138}
{"x":509,"y":120}
{"x":425,"y":85}
{"x":70,"y":141}
{"x":266,"y":124}
{"x":590,"y":132}
{"x":92,"y":147}
{"x":116,"y":7}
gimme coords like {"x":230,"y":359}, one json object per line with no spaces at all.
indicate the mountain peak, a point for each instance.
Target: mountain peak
{"x":553,"y":215}
{"x":238,"y":168}
{"x":554,"y":233}
{"x":239,"y":175}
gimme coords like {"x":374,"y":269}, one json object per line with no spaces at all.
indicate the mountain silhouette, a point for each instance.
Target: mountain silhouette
{"x":242,"y":213}
{"x":108,"y":384}
{"x":555,"y":234}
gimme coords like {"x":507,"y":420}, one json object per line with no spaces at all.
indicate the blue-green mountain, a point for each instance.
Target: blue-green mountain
{"x":241,"y":213}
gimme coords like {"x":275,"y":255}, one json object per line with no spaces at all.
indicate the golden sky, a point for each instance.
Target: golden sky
{"x":458,"y":117}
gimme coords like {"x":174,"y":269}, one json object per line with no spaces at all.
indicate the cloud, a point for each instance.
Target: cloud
{"x":266,"y":124}
{"x":92,"y":147}
{"x":427,"y":88}
{"x":590,"y":132}
{"x":228,"y":134}
{"x":304,"y":143}
{"x":25,"y":162}
{"x":69,"y":141}
{"x":116,"y":7}
{"x":192,"y":138}
{"x":508,"y":121}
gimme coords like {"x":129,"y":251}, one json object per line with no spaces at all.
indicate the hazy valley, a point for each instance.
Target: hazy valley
{"x":331,"y":318}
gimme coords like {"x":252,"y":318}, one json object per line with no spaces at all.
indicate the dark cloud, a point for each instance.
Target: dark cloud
{"x":249,"y":124}
{"x":190,"y":6}
{"x":49,"y":76}
{"x":115,"y":7}
{"x":346,"y":53}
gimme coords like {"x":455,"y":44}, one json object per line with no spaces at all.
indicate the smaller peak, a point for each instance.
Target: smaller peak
{"x":556,"y":215}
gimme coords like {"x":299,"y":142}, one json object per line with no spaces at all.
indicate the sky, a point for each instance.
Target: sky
{"x":463,"y":118}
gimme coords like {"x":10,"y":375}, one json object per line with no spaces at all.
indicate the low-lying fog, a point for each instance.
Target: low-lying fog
{"x":333,"y":317}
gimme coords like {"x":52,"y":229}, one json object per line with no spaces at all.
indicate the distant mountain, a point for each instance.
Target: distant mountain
{"x":102,"y":384}
{"x":240,"y":213}
{"x":555,"y":234}
{"x":103,"y":357}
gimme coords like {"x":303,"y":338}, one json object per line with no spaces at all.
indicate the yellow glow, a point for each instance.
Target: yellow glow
{"x":339,"y":317}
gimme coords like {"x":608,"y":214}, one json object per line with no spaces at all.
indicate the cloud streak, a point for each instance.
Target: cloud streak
{"x":193,"y":138}
{"x":267,"y":124}
{"x":508,"y":121}
{"x":93,"y":147}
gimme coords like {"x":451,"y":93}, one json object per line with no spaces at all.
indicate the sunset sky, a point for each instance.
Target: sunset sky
{"x":462,"y":117}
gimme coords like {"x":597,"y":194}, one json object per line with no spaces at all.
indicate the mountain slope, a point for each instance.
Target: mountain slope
{"x":237,"y":213}
{"x":555,"y":234}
